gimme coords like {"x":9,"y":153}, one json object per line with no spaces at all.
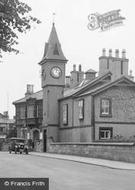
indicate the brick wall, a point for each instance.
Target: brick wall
{"x":111,"y":151}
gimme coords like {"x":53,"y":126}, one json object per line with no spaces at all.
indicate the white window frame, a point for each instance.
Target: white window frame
{"x":105,"y":107}
{"x":107,"y":133}
{"x":81,"y":108}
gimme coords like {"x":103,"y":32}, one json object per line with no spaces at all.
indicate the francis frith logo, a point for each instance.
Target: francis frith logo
{"x":105,"y":21}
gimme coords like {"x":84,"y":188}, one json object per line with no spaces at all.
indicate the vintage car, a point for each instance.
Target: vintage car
{"x":18,"y":145}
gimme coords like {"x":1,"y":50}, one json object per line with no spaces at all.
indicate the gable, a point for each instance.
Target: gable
{"x":121,"y":82}
{"x":124,"y":83}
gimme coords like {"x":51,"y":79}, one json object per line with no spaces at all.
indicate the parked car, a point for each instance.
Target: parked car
{"x":18,"y":145}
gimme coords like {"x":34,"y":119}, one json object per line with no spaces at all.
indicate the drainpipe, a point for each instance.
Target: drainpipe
{"x":92,"y":119}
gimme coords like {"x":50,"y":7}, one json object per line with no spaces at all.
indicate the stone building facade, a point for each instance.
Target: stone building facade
{"x":84,"y":107}
{"x":7,"y":125}
{"x":29,"y":114}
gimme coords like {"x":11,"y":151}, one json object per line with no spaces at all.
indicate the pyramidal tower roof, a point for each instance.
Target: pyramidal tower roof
{"x":53,"y":47}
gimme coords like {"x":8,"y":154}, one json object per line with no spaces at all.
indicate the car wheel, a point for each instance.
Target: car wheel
{"x":15,"y":151}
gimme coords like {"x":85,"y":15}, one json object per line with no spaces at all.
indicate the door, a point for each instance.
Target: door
{"x":44,"y":141}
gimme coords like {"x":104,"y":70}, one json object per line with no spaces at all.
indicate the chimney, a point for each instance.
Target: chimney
{"x":117,"y":53}
{"x":131,"y":76}
{"x":90,"y":75}
{"x":110,"y":52}
{"x":67,"y":82}
{"x":104,"y":52}
{"x":74,"y":77}
{"x":102,"y":63}
{"x":80,"y":68}
{"x":74,"y":67}
{"x":80,"y":75}
{"x":29,"y":89}
{"x":5,"y":114}
{"x":124,"y":54}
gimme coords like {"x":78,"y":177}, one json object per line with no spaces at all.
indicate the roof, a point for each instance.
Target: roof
{"x":53,"y":47}
{"x":6,"y":121}
{"x":84,"y":85}
{"x":110,"y":84}
{"x":37,"y":95}
{"x":90,"y":71}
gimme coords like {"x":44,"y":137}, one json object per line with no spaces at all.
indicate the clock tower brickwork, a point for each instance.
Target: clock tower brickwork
{"x":53,"y":83}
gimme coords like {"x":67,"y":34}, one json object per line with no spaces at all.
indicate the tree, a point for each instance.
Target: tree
{"x":14,"y":19}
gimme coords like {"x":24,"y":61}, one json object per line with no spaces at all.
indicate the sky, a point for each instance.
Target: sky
{"x":79,"y":44}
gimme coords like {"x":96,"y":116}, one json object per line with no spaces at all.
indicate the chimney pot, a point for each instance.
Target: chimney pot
{"x":110,"y":52}
{"x":74,"y":67}
{"x":117,"y":53}
{"x":29,"y":89}
{"x":104,"y":52}
{"x":124,"y":53}
{"x":130,"y":72}
{"x":80,"y":68}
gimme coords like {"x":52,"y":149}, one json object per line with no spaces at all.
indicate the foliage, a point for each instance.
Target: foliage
{"x":14,"y":19}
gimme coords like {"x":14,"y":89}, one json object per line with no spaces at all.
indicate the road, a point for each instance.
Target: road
{"x":66,"y":175}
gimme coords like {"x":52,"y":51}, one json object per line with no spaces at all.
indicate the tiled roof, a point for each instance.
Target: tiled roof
{"x":38,"y":95}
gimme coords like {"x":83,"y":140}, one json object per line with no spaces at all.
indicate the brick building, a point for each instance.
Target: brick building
{"x":82,"y":107}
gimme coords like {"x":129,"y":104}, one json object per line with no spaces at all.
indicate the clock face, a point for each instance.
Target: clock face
{"x":56,"y":72}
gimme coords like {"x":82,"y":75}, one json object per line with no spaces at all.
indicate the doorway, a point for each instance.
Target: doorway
{"x":44,"y":141}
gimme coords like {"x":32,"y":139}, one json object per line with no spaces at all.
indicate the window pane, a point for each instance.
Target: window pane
{"x":22,"y":112}
{"x":105,"y":106}
{"x":30,"y":111}
{"x":105,"y":133}
{"x":81,"y":109}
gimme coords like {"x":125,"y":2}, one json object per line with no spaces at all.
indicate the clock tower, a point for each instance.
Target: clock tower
{"x":53,"y":83}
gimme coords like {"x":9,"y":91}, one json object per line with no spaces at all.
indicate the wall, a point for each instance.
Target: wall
{"x":123,"y":111}
{"x":121,"y":132}
{"x":115,"y":151}
{"x":76,"y":134}
{"x":76,"y":130}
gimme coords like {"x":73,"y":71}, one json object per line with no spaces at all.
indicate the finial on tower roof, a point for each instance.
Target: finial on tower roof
{"x":54,"y":14}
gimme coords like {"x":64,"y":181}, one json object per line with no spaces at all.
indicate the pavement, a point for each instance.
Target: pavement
{"x":86,"y":160}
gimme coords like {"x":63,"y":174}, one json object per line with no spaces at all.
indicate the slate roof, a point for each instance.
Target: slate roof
{"x":108,"y":85}
{"x":53,"y":47}
{"x":90,"y":71}
{"x":83,"y":85}
{"x":38,"y":95}
{"x":6,"y":121}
